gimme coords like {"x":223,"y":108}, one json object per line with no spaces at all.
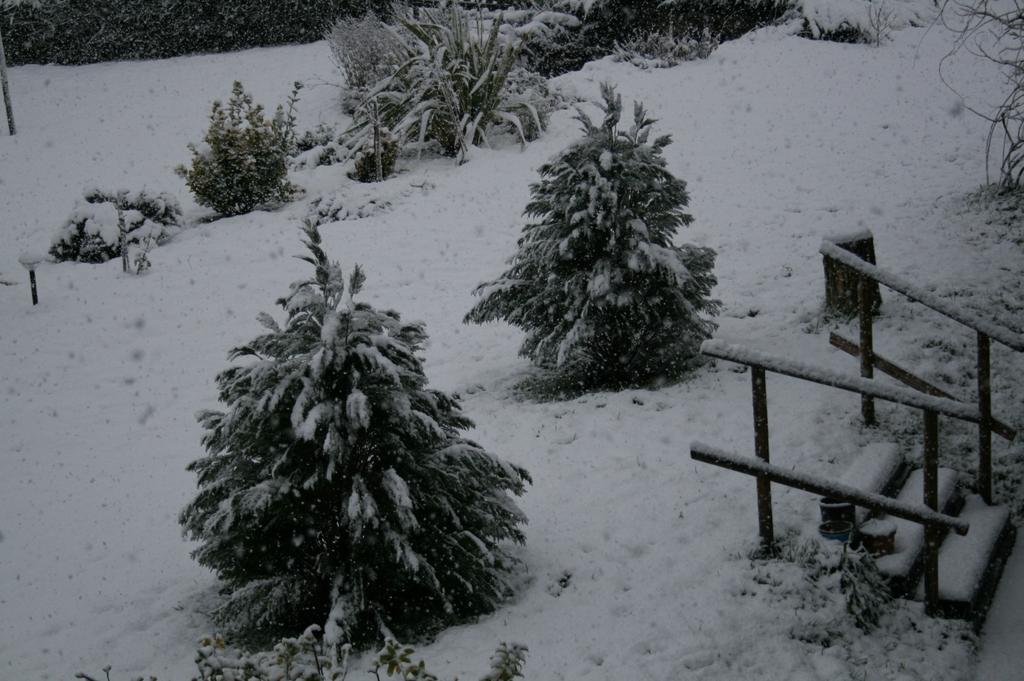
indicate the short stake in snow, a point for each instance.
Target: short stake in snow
{"x":30,"y":261}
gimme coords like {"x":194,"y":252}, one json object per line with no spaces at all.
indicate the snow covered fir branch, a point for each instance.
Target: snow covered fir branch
{"x":338,"y":487}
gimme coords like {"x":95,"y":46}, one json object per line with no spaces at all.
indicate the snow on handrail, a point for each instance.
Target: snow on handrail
{"x":897,"y":283}
{"x":818,"y":485}
{"x":864,"y":386}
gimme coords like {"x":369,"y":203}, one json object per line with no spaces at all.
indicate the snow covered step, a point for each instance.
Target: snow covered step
{"x":878,"y":467}
{"x":904,"y":565}
{"x":970,"y":566}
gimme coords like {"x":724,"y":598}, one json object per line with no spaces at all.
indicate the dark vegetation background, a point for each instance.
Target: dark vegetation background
{"x":87,"y":31}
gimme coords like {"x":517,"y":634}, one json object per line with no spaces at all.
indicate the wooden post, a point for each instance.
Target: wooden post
{"x":867,"y":347}
{"x":122,"y":239}
{"x":932,"y":533}
{"x":4,"y":85}
{"x":842,"y":285}
{"x":764,"y":485}
{"x":32,"y":281}
{"x":985,"y":425}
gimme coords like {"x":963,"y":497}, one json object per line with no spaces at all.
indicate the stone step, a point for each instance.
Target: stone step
{"x":879,"y":468}
{"x":905,"y":565}
{"x":970,"y":565}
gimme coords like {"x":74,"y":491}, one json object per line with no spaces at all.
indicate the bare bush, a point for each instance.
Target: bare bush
{"x":994,"y":30}
{"x":881,"y":20}
{"x":366,"y":51}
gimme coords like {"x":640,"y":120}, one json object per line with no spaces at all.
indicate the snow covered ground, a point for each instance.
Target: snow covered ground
{"x":636,"y":555}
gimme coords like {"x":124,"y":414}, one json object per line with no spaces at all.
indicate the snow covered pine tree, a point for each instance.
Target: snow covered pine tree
{"x":605,"y":298}
{"x":337,"y":486}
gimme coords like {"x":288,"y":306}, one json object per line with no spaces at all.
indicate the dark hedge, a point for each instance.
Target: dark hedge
{"x":87,"y":31}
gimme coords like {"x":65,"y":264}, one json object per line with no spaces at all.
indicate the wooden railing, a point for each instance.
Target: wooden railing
{"x":985,"y":329}
{"x":826,"y":488}
{"x":931,"y":406}
{"x":901,"y":285}
{"x":932,"y":401}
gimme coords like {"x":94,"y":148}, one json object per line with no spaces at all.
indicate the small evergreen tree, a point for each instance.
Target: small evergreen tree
{"x":602,"y":293}
{"x":337,"y":486}
{"x":243,"y":161}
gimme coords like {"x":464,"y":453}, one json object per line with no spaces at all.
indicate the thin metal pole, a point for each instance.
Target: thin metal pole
{"x":867,"y":347}
{"x":32,"y":280}
{"x":985,"y":424}
{"x":764,"y":485}
{"x":3,"y":81}
{"x":932,"y":533}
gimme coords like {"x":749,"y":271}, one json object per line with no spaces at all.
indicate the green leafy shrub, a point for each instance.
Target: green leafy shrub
{"x":395,"y":660}
{"x":316,"y":147}
{"x":338,"y":487}
{"x":366,"y":163}
{"x":376,"y":161}
{"x":605,"y":297}
{"x":449,"y":87}
{"x":92,"y":231}
{"x":243,"y":161}
{"x":303,"y":658}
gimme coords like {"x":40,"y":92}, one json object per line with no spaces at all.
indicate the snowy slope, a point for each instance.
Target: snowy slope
{"x":635,"y":553}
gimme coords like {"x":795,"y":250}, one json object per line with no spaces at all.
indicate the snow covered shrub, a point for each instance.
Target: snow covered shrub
{"x":830,"y":571}
{"x":243,"y":161}
{"x":337,"y":486}
{"x":564,"y":45}
{"x":663,"y":50}
{"x":376,"y":162}
{"x":450,"y":85}
{"x":603,"y":23}
{"x":861,"y":21}
{"x":306,"y":658}
{"x":91,"y":233}
{"x":530,"y":91}
{"x":341,"y":206}
{"x":396,"y":661}
{"x":303,"y":658}
{"x":605,"y":298}
{"x":316,"y":147}
{"x":865,"y":587}
{"x":317,"y":137}
{"x":366,"y":52}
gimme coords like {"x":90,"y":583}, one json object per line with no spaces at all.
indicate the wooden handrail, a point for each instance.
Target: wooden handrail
{"x":914,"y":381}
{"x":863,"y":386}
{"x":818,"y":485}
{"x":897,"y":283}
